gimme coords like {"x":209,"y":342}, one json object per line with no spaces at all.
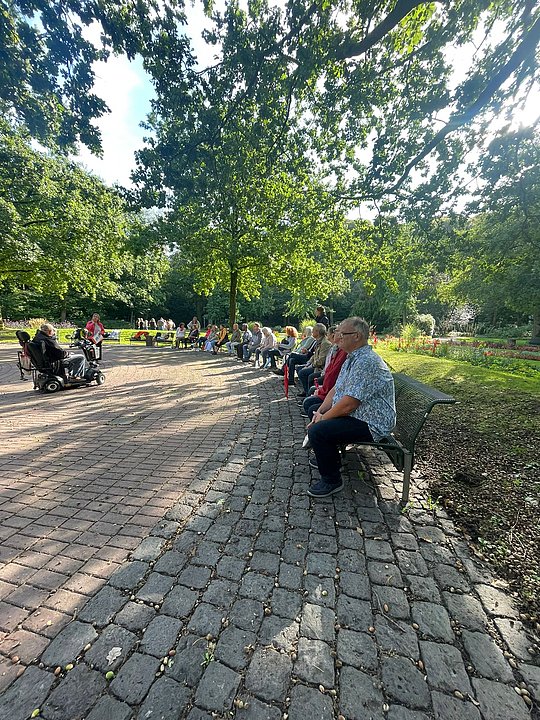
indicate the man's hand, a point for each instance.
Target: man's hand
{"x":317,"y":417}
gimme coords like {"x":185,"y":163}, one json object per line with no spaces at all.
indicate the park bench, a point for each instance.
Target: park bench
{"x":112,"y":336}
{"x":152,"y":338}
{"x":414,"y":402}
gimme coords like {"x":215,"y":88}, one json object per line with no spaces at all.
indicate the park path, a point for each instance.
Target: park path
{"x":158,"y":528}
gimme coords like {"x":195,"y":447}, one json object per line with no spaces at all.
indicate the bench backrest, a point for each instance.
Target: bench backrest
{"x":414,"y":402}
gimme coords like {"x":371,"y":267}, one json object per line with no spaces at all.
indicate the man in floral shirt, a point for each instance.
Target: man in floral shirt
{"x":359,"y":408}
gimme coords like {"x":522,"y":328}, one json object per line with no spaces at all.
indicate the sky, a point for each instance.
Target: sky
{"x":127,"y":90}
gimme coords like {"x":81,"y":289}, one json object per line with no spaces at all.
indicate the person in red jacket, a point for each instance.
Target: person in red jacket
{"x":331,"y":373}
{"x":95,"y":330}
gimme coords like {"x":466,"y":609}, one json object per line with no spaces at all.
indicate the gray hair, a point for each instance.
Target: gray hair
{"x":360,"y":325}
{"x":308,"y":330}
{"x":47,"y":327}
{"x":321,"y":327}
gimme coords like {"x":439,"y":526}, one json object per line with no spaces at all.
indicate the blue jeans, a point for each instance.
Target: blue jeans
{"x":327,"y":435}
{"x":307,"y":376}
{"x":248,"y":351}
{"x":311,"y":404}
{"x":273,"y":354}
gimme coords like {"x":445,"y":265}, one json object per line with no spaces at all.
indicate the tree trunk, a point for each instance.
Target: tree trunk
{"x":535,"y":339}
{"x":233,"y":292}
{"x":199,"y":307}
{"x":63,"y":310}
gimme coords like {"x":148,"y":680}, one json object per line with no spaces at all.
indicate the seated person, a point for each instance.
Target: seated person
{"x":235,"y":339}
{"x":180,"y":336}
{"x":246,"y":337}
{"x":268,"y":343}
{"x":284,"y":347}
{"x":201,"y":342}
{"x":193,"y":337}
{"x":359,"y":408}
{"x":75,"y":365}
{"x":300,"y":356}
{"x":222,"y":339}
{"x":211,"y":339}
{"x":254,"y":343}
{"x":315,"y":365}
{"x":331,"y":372}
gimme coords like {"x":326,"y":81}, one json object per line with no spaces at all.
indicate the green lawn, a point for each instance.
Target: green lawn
{"x":64,"y":335}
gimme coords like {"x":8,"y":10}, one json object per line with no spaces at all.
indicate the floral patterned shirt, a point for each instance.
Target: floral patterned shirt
{"x":366,"y":377}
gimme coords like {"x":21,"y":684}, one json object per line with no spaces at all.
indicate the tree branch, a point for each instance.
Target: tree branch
{"x":352,"y":49}
{"x":525,"y":49}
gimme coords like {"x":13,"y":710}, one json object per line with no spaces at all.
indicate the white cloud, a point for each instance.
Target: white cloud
{"x":124,"y":86}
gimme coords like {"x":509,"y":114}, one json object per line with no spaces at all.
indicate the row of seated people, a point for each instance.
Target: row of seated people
{"x":354,"y":398}
{"x":315,"y":360}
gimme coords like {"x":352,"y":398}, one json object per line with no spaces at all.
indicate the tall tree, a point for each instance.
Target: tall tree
{"x":229,"y":160}
{"x":498,"y":259}
{"x":62,"y":229}
{"x":382,"y":78}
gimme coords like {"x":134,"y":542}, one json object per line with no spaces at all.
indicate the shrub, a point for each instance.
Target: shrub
{"x":426,"y":324}
{"x":305,"y":323}
{"x":509,"y":331}
{"x":36,"y":322}
{"x":514,"y":361}
{"x":409,"y":332}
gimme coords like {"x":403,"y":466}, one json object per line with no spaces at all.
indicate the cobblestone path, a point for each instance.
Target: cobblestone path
{"x":160,"y":559}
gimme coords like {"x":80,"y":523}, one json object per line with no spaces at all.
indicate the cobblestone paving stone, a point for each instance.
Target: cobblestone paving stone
{"x":159,"y":558}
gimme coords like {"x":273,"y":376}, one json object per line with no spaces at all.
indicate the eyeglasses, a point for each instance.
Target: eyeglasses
{"x":341,"y":334}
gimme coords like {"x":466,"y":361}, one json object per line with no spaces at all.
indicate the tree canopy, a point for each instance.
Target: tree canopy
{"x":46,"y":73}
{"x":375,"y":84}
{"x":65,"y":233}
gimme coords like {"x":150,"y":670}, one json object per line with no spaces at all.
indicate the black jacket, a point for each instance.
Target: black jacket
{"x":52,"y":348}
{"x":322,"y":319}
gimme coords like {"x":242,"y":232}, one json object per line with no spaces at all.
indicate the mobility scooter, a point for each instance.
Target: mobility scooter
{"x":50,"y":376}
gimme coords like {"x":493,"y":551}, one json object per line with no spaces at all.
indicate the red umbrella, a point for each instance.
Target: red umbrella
{"x":286,"y":379}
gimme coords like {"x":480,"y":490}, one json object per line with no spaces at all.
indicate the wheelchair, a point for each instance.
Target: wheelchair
{"x":49,"y":376}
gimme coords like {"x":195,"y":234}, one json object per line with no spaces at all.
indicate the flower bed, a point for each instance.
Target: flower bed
{"x":497,"y":356}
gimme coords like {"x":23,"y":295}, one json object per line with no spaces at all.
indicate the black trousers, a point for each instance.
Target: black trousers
{"x":240,"y":350}
{"x":327,"y":435}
